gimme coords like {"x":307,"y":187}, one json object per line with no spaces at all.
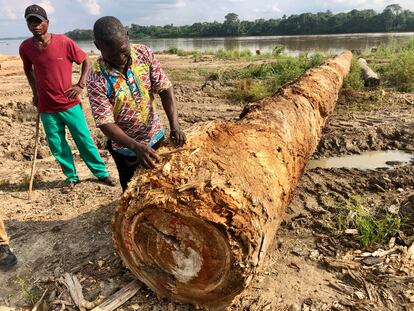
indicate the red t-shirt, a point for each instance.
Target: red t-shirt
{"x":53,"y":70}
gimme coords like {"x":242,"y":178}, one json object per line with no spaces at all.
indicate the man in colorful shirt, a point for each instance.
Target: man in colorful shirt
{"x":120,"y":86}
{"x":47,"y":60}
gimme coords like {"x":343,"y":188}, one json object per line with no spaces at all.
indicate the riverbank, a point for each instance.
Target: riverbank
{"x":346,"y":242}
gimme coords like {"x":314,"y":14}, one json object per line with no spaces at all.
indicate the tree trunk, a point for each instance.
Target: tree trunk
{"x":196,"y":228}
{"x":371,"y":79}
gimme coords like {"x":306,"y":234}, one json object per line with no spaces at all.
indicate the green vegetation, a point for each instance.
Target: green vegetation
{"x":30,"y":293}
{"x":354,"y":79}
{"x":180,"y":52}
{"x":366,"y":101}
{"x":258,"y":81}
{"x":392,"y":18}
{"x":229,"y":54}
{"x":400,"y":71}
{"x":374,"y":228}
{"x":394,"y":63}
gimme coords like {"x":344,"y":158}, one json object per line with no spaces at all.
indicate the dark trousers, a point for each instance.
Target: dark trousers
{"x":126,"y":165}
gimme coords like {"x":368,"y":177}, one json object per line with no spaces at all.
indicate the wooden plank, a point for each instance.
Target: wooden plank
{"x":120,"y":297}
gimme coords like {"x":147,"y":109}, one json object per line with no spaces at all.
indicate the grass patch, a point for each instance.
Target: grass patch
{"x":395,"y":64}
{"x":374,"y":228}
{"x":233,"y":54}
{"x":354,"y":101}
{"x":180,"y":52}
{"x":255,"y":82}
{"x":354,"y":79}
{"x":183,"y":74}
{"x":249,"y":90}
{"x":30,"y":293}
{"x":399,"y":73}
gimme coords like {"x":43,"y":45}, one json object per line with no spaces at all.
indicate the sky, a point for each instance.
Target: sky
{"x":66,"y":15}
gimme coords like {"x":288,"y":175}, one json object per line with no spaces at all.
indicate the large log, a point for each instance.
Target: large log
{"x":197,"y":227}
{"x":371,"y":79}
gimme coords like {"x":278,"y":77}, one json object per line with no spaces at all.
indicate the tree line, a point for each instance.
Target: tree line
{"x":392,"y":19}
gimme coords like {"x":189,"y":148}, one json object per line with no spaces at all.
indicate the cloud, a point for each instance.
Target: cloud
{"x":175,"y":5}
{"x":48,"y":6}
{"x":180,"y":4}
{"x":15,"y":11}
{"x":162,"y":12}
{"x":276,"y":9}
{"x":9,"y":13}
{"x":92,"y":6}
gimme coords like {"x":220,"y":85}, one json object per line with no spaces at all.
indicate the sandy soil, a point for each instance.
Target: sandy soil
{"x":308,"y":268}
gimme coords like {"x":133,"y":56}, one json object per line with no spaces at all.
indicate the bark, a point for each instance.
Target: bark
{"x":371,"y":79}
{"x":197,"y":227}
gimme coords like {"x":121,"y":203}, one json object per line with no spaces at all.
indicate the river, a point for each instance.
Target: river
{"x":294,"y":45}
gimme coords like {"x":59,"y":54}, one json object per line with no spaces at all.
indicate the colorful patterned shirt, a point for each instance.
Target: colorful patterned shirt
{"x":127,"y":100}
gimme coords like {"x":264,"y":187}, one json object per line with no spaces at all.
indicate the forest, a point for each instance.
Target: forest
{"x":392,"y":19}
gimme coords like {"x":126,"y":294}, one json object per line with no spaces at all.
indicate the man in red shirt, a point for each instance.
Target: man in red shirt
{"x":47,"y":60}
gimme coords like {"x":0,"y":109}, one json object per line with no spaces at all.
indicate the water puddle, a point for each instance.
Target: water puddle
{"x":365,"y":161}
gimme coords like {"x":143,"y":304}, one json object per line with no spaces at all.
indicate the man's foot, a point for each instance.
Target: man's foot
{"x":108,"y":181}
{"x":7,"y":259}
{"x":69,"y":187}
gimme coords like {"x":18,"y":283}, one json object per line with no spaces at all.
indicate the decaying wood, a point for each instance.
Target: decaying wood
{"x":196,"y":228}
{"x":75,"y":289}
{"x":371,"y":79}
{"x":120,"y":297}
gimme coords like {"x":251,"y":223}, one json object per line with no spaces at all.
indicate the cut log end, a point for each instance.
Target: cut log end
{"x":179,"y":256}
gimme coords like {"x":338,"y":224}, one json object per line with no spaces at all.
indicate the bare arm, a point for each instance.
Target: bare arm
{"x":145,"y":154}
{"x":32,"y":82}
{"x":170,"y":108}
{"x":84,"y":72}
{"x":76,"y":89}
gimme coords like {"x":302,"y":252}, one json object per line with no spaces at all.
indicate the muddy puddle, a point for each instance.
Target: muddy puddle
{"x":365,"y":161}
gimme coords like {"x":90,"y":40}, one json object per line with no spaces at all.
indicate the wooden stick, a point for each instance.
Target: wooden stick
{"x":36,"y":307}
{"x":120,"y":297}
{"x":34,"y":156}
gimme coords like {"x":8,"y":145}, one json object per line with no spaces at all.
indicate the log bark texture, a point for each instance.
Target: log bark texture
{"x":197,"y":227}
{"x":371,"y":79}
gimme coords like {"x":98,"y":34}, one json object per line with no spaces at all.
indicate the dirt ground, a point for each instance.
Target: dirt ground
{"x":308,"y":267}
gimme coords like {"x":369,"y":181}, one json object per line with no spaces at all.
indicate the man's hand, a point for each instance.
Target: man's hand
{"x":74,"y":91}
{"x":35,"y":100}
{"x":145,"y":155}
{"x":178,"y":137}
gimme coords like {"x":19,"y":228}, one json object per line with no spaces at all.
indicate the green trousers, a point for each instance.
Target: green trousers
{"x":55,"y":128}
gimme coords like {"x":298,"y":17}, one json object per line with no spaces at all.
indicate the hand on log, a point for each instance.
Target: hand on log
{"x":196,"y":228}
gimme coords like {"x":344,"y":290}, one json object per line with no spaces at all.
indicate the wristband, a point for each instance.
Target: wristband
{"x":81,"y":86}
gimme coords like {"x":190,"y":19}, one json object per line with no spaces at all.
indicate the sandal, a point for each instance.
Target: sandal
{"x":108,"y":181}
{"x":69,"y":187}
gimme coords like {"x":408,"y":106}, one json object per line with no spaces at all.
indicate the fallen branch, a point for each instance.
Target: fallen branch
{"x":120,"y":297}
{"x":75,"y":289}
{"x":371,"y":79}
{"x":39,"y":302}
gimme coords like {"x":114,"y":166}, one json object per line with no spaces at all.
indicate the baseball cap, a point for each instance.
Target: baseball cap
{"x":36,"y":11}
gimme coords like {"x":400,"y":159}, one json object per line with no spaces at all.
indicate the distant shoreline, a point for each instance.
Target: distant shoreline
{"x":293,"y":45}
{"x":247,"y":36}
{"x":13,"y":38}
